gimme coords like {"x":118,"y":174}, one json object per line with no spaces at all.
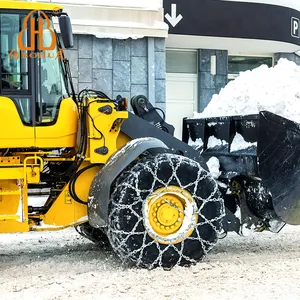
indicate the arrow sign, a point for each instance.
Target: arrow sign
{"x":174,"y":19}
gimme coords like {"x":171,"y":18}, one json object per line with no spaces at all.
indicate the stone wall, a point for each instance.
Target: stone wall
{"x":211,"y":84}
{"x":120,"y":67}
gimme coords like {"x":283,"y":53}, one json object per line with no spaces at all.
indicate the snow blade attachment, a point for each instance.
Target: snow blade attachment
{"x":264,"y":148}
{"x":279,"y":164}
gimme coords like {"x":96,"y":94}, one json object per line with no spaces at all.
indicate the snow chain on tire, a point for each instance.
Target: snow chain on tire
{"x":129,"y":231}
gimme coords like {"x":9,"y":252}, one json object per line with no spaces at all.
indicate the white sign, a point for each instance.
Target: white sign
{"x":295,"y":28}
{"x":174,"y":19}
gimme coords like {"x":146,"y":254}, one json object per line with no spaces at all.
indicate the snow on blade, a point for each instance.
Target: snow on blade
{"x":214,"y":142}
{"x":213,"y":165}
{"x":239,"y":143}
{"x":197,"y":143}
{"x":275,"y":89}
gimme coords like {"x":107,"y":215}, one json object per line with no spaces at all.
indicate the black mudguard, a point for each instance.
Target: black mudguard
{"x":135,"y":127}
{"x":100,"y":188}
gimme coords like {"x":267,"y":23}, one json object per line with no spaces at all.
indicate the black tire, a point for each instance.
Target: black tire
{"x":131,"y":235}
{"x":96,"y":235}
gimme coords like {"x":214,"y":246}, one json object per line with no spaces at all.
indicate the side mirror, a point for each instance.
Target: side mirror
{"x":65,"y":27}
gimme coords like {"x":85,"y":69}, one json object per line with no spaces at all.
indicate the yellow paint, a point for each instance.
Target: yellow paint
{"x":166,"y":208}
{"x":64,"y":132}
{"x":18,"y":135}
{"x":11,"y":226}
{"x":13,"y":4}
{"x":13,"y":203}
{"x":65,"y":210}
{"x":109,"y":125}
{"x":11,"y":173}
{"x":122,"y":140}
{"x":8,"y":217}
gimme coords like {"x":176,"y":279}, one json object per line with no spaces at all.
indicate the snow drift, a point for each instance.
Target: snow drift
{"x":276,"y":89}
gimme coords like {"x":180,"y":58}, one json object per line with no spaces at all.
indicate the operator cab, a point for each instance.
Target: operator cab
{"x":24,"y":72}
{"x":34,"y":72}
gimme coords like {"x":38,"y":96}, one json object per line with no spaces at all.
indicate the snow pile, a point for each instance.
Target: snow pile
{"x":213,"y":165}
{"x":239,"y":143}
{"x":275,"y":89}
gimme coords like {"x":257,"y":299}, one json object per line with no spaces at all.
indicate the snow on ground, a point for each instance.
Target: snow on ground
{"x":274,"y":89}
{"x":63,"y":265}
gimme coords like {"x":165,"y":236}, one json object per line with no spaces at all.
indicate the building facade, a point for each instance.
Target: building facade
{"x":177,"y":53}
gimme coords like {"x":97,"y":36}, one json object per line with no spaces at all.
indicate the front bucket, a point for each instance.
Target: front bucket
{"x":278,"y":153}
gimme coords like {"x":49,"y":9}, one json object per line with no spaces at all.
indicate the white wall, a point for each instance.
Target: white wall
{"x":147,"y":4}
{"x":119,"y":19}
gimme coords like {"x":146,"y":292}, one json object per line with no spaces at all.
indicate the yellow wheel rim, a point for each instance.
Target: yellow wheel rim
{"x":166,"y":214}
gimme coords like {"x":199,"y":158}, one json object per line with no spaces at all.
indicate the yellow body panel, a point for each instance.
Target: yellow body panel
{"x":65,"y":211}
{"x":13,"y":4}
{"x":13,"y":133}
{"x":25,"y":167}
{"x":109,"y":125}
{"x":122,"y":140}
{"x":64,"y":132}
{"x":13,"y":198}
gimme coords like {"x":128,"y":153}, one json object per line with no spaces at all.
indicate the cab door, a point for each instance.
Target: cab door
{"x":57,"y":114}
{"x":16,"y":88}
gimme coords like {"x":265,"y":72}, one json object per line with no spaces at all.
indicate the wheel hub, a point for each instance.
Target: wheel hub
{"x":166,"y":211}
{"x":167,"y":214}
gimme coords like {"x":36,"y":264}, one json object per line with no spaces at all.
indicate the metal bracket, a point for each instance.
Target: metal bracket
{"x":107,"y":109}
{"x":102,"y":150}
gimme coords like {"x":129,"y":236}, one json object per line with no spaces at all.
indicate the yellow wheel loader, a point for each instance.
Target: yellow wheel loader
{"x":140,"y":193}
{"x":119,"y":177}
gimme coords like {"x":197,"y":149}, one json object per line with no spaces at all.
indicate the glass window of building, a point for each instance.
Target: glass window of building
{"x":237,"y":64}
{"x":179,"y":61}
